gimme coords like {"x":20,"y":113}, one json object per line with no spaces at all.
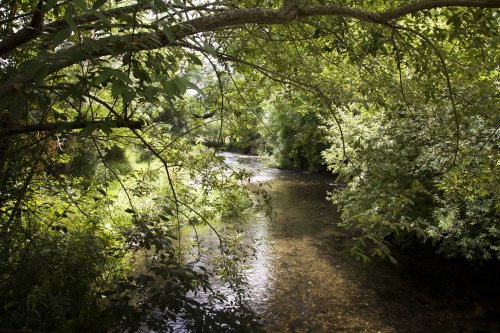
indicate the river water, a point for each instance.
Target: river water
{"x":303,"y":279}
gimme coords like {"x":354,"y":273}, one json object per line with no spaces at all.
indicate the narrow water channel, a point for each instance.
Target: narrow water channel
{"x":304,"y":280}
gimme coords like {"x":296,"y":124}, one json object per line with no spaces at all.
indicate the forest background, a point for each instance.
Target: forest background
{"x":112,"y":113}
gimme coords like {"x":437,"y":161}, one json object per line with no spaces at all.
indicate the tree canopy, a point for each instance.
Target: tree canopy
{"x":399,"y":99}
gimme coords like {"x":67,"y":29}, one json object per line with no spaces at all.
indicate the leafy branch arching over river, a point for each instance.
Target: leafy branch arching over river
{"x":113,"y":115}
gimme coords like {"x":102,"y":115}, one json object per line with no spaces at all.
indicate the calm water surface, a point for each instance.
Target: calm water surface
{"x":304,"y":280}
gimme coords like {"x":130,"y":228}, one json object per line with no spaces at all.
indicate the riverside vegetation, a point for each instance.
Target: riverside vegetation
{"x":112,"y":114}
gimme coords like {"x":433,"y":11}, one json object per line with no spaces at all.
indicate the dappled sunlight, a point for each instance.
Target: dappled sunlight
{"x":247,"y":166}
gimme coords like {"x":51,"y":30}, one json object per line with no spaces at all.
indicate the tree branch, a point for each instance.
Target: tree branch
{"x":34,"y":29}
{"x":65,"y":126}
{"x":395,"y":13}
{"x":237,"y":17}
{"x":28,"y":33}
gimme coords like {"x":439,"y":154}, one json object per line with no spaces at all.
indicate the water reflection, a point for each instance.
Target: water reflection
{"x":303,"y":279}
{"x":288,"y":267}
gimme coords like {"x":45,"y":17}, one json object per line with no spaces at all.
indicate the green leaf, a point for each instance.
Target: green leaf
{"x":161,"y":5}
{"x":92,"y":44}
{"x":30,"y":66}
{"x":210,"y":49}
{"x":130,"y":211}
{"x":181,"y":84}
{"x":50,"y":4}
{"x":150,"y":92}
{"x":40,"y":74}
{"x":98,"y":4}
{"x":163,"y":217}
{"x":117,"y":88}
{"x":194,"y":59}
{"x":169,"y":88}
{"x":104,"y":76}
{"x":128,"y":94}
{"x":68,"y":16}
{"x":168,"y":33}
{"x":123,"y":76}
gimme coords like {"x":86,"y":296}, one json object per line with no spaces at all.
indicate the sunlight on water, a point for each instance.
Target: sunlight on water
{"x":302,"y":278}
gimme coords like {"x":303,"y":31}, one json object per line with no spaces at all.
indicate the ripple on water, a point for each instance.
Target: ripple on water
{"x":303,"y":280}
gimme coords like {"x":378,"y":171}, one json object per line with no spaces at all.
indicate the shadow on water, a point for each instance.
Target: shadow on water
{"x":304,"y":280}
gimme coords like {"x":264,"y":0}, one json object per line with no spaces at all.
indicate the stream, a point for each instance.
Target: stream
{"x":303,"y":278}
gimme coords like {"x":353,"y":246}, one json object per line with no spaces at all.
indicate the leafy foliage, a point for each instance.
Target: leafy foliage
{"x":91,"y":235}
{"x":416,"y":149}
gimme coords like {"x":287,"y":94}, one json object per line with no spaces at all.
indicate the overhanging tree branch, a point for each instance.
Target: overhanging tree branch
{"x":28,"y":33}
{"x":113,"y":45}
{"x":395,"y":13}
{"x":33,"y":31}
{"x":66,"y":126}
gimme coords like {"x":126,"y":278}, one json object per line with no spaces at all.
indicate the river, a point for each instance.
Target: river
{"x":303,"y":278}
